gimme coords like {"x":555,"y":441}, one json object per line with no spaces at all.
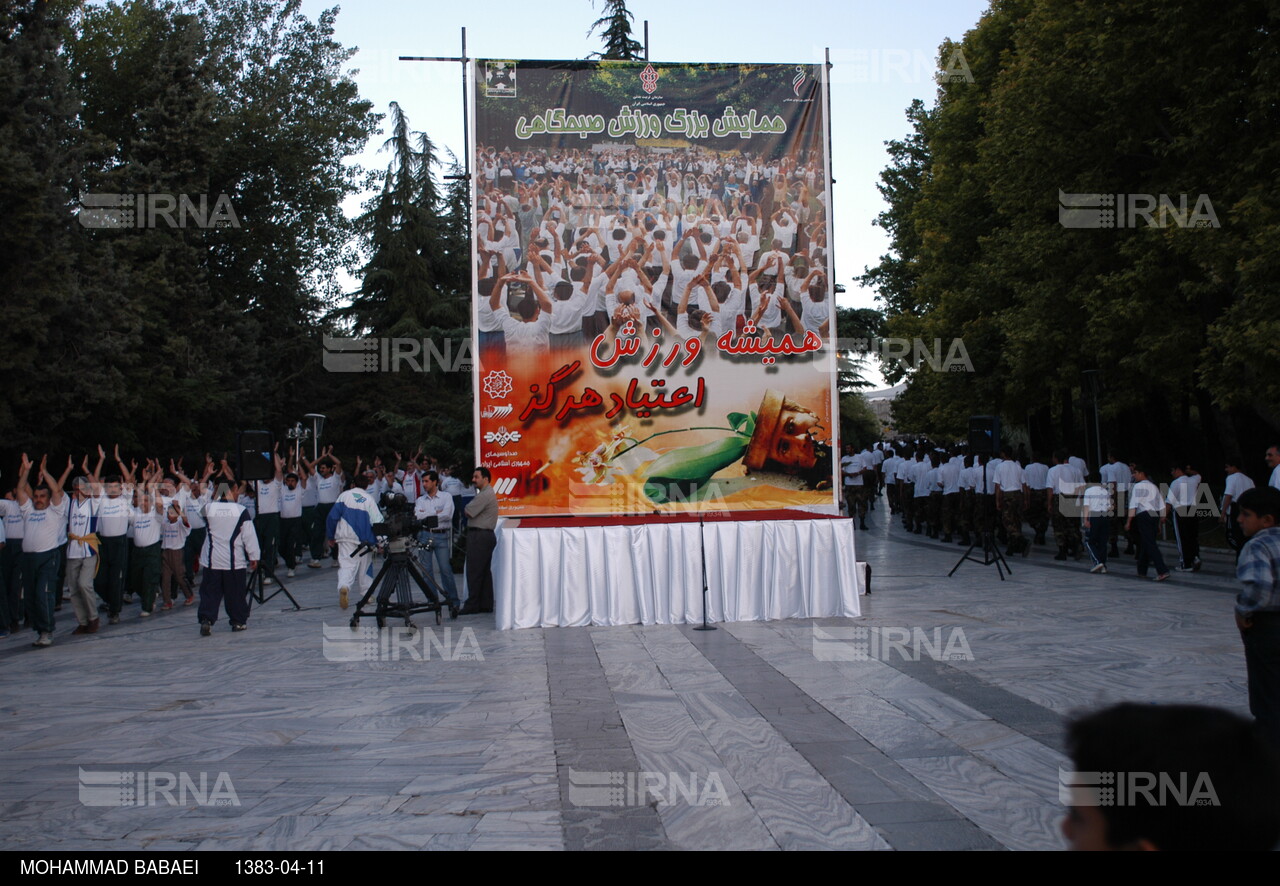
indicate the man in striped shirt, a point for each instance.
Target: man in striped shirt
{"x":1258,"y":605}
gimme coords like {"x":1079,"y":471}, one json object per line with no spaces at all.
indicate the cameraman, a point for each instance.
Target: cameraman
{"x":435,"y":503}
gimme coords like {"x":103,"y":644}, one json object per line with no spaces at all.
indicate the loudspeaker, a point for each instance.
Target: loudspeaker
{"x":984,"y":434}
{"x":253,"y":456}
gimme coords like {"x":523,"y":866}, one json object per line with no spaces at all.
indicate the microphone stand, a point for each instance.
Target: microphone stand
{"x":702,"y":550}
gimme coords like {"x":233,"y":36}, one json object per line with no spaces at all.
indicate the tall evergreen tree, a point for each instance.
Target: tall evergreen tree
{"x":414,"y":290}
{"x":615,"y":29}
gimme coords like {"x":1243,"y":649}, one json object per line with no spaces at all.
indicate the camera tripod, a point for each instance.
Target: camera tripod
{"x":986,"y":537}
{"x":393,"y":587}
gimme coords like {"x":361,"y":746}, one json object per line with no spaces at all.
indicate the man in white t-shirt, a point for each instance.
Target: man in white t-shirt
{"x":1010,"y":502}
{"x":920,"y":490}
{"x":1238,"y":482}
{"x":1182,"y":498}
{"x":1116,"y":476}
{"x":292,"y":537}
{"x":11,"y":563}
{"x":44,"y":524}
{"x":854,"y":470}
{"x":114,"y":510}
{"x":453,"y":487}
{"x":949,"y":475}
{"x":192,"y":497}
{"x":146,"y":558}
{"x":890,"y":469}
{"x":1065,"y":483}
{"x":489,"y":335}
{"x":82,"y":555}
{"x":329,"y":479}
{"x":529,"y":332}
{"x":1146,"y":515}
{"x":1273,"y":462}
{"x":1036,"y":477}
{"x":310,"y":498}
{"x":1096,"y":514}
{"x":267,"y":520}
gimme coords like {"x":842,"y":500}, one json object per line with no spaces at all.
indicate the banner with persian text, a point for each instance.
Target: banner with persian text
{"x":653,"y":307}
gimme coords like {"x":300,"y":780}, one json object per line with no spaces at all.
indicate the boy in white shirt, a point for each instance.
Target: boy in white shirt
{"x":174,"y":530}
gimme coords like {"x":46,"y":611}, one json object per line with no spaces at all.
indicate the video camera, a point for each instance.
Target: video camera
{"x":398,"y":519}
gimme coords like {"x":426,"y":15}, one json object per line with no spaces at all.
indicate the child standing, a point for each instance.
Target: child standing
{"x":173,"y":542}
{"x":1258,"y":605}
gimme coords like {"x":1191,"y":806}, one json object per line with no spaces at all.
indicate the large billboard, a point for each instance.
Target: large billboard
{"x":653,"y":304}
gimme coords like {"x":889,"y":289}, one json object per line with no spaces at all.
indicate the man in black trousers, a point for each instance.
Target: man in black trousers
{"x":482,"y":520}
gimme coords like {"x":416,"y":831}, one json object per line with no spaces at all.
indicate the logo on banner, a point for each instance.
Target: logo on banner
{"x":498,"y":384}
{"x":649,"y":79}
{"x":800,"y":77}
{"x":502,"y":411}
{"x":504,"y":485}
{"x":502,"y":436}
{"x":499,"y":80}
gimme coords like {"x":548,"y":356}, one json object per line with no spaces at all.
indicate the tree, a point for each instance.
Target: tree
{"x":162,"y":335}
{"x":858,"y":422}
{"x":414,"y":289}
{"x":615,"y":25}
{"x":57,"y":296}
{"x":856,"y":332}
{"x":1077,"y":99}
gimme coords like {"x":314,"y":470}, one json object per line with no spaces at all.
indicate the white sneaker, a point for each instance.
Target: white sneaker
{"x":266,"y":581}
{"x":1101,"y":567}
{"x":145,"y":613}
{"x":290,"y":575}
{"x":45,"y":639}
{"x":314,"y":564}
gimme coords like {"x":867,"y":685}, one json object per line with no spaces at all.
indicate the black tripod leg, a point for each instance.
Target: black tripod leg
{"x":427,"y":585}
{"x":373,"y":587}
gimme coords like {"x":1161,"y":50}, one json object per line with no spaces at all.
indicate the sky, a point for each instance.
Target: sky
{"x":884,"y":55}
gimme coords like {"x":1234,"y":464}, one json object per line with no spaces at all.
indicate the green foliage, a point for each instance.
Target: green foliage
{"x":1179,"y":321}
{"x":170,"y":338}
{"x":415,"y":285}
{"x":858,"y":423}
{"x":856,"y":330}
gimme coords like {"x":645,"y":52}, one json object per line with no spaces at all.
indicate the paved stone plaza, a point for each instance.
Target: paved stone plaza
{"x":749,"y":737}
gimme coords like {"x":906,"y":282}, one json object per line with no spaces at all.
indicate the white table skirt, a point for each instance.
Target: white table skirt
{"x":652,"y":573}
